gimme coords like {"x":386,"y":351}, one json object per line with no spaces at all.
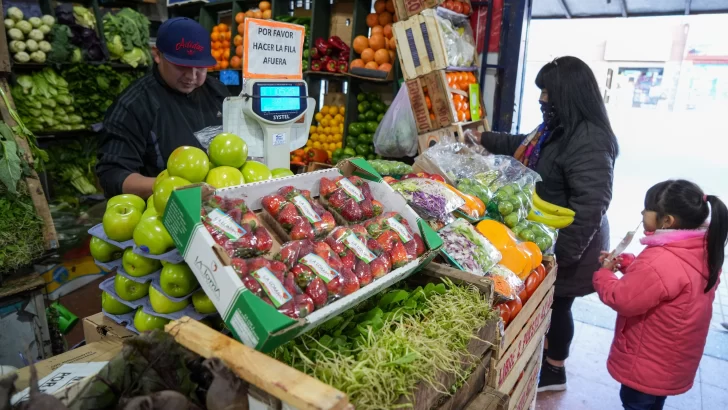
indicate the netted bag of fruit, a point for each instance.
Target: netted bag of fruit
{"x":299,"y":215}
{"x":360,"y":253}
{"x":394,"y":236}
{"x":542,"y":235}
{"x":317,"y":270}
{"x":350,"y":197}
{"x":268,"y":280}
{"x":235,"y":227}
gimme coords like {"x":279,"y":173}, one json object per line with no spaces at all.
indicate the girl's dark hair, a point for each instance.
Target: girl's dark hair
{"x":574,"y":91}
{"x":687,"y":203}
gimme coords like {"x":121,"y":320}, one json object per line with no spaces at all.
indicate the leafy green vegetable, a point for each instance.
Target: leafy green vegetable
{"x":71,"y":167}
{"x":61,"y":47}
{"x":84,"y":17}
{"x":127,"y":37}
{"x":39,"y":97}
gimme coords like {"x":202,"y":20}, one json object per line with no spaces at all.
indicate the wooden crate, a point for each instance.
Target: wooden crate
{"x":454,"y":132}
{"x":473,"y":386}
{"x":408,"y":8}
{"x":489,"y":399}
{"x":524,"y":392}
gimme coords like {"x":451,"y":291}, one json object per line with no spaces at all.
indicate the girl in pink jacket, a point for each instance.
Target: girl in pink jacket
{"x":664,"y":300}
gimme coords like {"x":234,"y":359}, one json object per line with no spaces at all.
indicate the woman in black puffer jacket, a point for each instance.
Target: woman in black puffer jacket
{"x":574,"y":152}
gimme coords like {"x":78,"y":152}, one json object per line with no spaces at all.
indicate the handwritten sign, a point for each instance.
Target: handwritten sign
{"x":272,"y":49}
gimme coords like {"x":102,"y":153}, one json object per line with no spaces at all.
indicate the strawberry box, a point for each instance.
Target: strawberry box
{"x":248,"y":316}
{"x":350,"y":200}
{"x":296,"y":215}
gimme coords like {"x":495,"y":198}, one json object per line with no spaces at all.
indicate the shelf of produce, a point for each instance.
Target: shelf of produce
{"x":455,"y":132}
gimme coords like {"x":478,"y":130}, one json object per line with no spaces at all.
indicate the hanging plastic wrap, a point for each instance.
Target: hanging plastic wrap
{"x":458,"y":37}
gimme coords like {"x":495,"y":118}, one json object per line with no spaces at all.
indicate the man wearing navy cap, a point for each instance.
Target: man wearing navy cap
{"x":161,"y":111}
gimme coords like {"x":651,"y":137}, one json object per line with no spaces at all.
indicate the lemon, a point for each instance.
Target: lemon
{"x":320,"y":129}
{"x":341,"y":128}
{"x":328,"y":117}
{"x":329,"y":153}
{"x":309,"y":144}
{"x":333,"y":111}
{"x":324,"y":110}
{"x":338,"y":145}
{"x":317,"y":145}
{"x":334,"y":123}
{"x":342,"y":110}
{"x":339,"y":118}
{"x":338,"y":138}
{"x":318,"y":117}
{"x":325,"y":122}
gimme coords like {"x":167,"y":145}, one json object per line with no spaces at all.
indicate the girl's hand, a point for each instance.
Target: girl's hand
{"x":603,"y":256}
{"x":612,"y":265}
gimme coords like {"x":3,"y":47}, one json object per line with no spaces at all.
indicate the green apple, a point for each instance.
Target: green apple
{"x":177,"y":280}
{"x":189,"y":163}
{"x":138,"y":265}
{"x":127,"y":199}
{"x":103,"y":251}
{"x":161,"y":177}
{"x":162,"y":304}
{"x":224,"y":176}
{"x":145,"y":322}
{"x":120,"y":220}
{"x":164,"y":191}
{"x":113,"y":306}
{"x":150,"y":202}
{"x":280,"y":173}
{"x":202,"y":302}
{"x":151,"y":234}
{"x":149,"y":212}
{"x":228,"y":149}
{"x":255,"y":171}
{"x":129,"y":290}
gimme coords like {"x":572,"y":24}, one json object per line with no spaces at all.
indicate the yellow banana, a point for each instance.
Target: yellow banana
{"x":558,"y":222}
{"x":549,"y":208}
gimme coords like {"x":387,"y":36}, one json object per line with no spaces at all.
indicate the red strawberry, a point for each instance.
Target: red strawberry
{"x":246,"y":227}
{"x":289,"y":309}
{"x":287,"y":190}
{"x":303,"y":275}
{"x":350,"y":283}
{"x":302,"y":230}
{"x":348,"y":260}
{"x":367,"y":209}
{"x":420,"y":244}
{"x":306,"y":194}
{"x":279,"y":268}
{"x":251,"y":219}
{"x":289,"y":282}
{"x":318,"y":208}
{"x":327,"y":187}
{"x":363,"y":272}
{"x":337,"y":199}
{"x":263,"y":241}
{"x":356,"y":180}
{"x":377,"y":206}
{"x":351,"y":211}
{"x":289,"y":253}
{"x":320,"y":229}
{"x":304,"y":305}
{"x":236,"y":215}
{"x":387,"y":240}
{"x":258,"y":263}
{"x":244,"y":243}
{"x":335,"y":262}
{"x":374,"y":246}
{"x":288,"y":215}
{"x":379,"y":266}
{"x":235,"y":203}
{"x":366,"y":191}
{"x":327,"y":218}
{"x":334,"y":286}
{"x":322,"y":249}
{"x":215,"y":201}
{"x":359,"y":230}
{"x":398,"y":255}
{"x":306,"y":248}
{"x":239,"y":266}
{"x":411,"y":249}
{"x":375,"y":228}
{"x":318,"y":292}
{"x":252,"y":285}
{"x":272,"y":204}
{"x":338,"y":247}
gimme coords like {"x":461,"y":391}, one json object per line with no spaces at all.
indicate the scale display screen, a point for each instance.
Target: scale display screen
{"x":280,"y":98}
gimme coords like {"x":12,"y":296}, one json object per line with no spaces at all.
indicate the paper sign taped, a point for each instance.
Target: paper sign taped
{"x":277,"y":47}
{"x":61,"y":378}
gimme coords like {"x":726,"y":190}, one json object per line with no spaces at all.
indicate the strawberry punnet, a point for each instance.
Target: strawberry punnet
{"x":351,"y":197}
{"x":299,"y":215}
{"x":235,"y":227}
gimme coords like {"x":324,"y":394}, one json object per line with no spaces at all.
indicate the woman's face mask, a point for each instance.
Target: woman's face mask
{"x":548,"y":110}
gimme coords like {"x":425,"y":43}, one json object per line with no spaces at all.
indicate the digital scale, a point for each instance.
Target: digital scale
{"x":272,"y":116}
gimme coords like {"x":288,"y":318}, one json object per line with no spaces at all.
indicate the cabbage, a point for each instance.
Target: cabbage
{"x":35,"y":22}
{"x":9,"y":23}
{"x":64,"y":99}
{"x":31,"y":46}
{"x":84,"y":17}
{"x":48,"y":20}
{"x":44,"y":46}
{"x":15,"y":34}
{"x":134,"y":57}
{"x":22,"y":57}
{"x":36,"y":35}
{"x":17,"y":46}
{"x":44,"y":29}
{"x":38,"y":56}
{"x":76,"y":57}
{"x":116,"y":47}
{"x":24,"y":26}
{"x":15,"y":14}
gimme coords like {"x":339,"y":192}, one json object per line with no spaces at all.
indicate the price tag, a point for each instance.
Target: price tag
{"x":359,"y":248}
{"x":272,"y":286}
{"x":225,"y":223}
{"x":230,"y":77}
{"x":305,"y":208}
{"x":401,"y":230}
{"x":277,"y":47}
{"x":319,"y":266}
{"x":352,"y":190}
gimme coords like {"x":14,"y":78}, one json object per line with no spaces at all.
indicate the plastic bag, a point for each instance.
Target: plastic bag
{"x":235,"y":227}
{"x":457,"y":34}
{"x":542,"y":235}
{"x":468,"y":248}
{"x":205,"y":135}
{"x":360,"y":253}
{"x":298,"y":214}
{"x":350,"y":197}
{"x":396,"y":135}
{"x":430,"y":199}
{"x":392,"y":168}
{"x":394,"y":235}
{"x":506,"y":284}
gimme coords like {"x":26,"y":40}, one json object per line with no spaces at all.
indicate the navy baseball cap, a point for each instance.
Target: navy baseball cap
{"x":184,"y":42}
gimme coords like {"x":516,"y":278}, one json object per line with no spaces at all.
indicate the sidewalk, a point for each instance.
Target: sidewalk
{"x":591,"y":387}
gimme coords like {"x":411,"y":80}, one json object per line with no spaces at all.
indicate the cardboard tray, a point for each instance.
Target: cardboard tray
{"x":251,"y":320}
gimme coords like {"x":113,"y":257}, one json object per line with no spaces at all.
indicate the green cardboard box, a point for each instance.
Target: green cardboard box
{"x":251,"y":320}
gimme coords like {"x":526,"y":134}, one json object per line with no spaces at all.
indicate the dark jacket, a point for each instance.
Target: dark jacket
{"x":576,"y":173}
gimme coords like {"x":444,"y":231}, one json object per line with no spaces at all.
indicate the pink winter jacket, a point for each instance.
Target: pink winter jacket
{"x":663,"y":313}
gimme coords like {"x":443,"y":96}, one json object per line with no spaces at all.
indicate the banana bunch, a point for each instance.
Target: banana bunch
{"x":550,"y":214}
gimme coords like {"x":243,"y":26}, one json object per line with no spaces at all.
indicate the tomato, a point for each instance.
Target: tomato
{"x":524,"y":295}
{"x":448,"y":4}
{"x":515,"y":306}
{"x":532,"y":282}
{"x":505,"y":313}
{"x":541,"y":271}
{"x":457,"y":7}
{"x":466,"y":8}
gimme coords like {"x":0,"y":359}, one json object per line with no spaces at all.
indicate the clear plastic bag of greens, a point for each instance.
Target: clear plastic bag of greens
{"x":458,"y":37}
{"x":506,"y":284}
{"x":467,"y":249}
{"x":396,"y":135}
{"x":392,"y":168}
{"x":430,"y":199}
{"x":542,"y":235}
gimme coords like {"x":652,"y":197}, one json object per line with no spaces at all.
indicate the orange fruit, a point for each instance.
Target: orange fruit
{"x":228,"y":35}
{"x":241,"y":28}
{"x":249,"y":13}
{"x":214,"y":36}
{"x":223,"y":27}
{"x":381,"y":56}
{"x":225,"y":44}
{"x":239,"y":51}
{"x":380,"y":6}
{"x":267,"y":14}
{"x":378,"y":30}
{"x":360,"y":43}
{"x":377,"y":42}
{"x":372,"y":20}
{"x":392,"y":55}
{"x":216,"y":53}
{"x":385,"y":67}
{"x":357,"y":63}
{"x":257,"y":14}
{"x":215,"y":29}
{"x":392,"y":44}
{"x":236,"y":62}
{"x":389,"y":6}
{"x":217,"y":45}
{"x":385,"y":18}
{"x":238,"y":40}
{"x":240,"y":17}
{"x":367,"y":55}
{"x":428,"y":102}
{"x":432,"y":116}
{"x":264,"y":5}
{"x":224,"y":64}
{"x":371,"y":65}
{"x":387,"y":31}
{"x":226,"y":54}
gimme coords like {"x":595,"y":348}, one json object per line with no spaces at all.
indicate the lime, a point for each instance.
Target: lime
{"x":511,"y":220}
{"x":527,"y":235}
{"x":543,"y":243}
{"x":505,"y":208}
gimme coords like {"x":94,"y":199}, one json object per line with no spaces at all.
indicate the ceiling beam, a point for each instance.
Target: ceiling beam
{"x":567,"y":13}
{"x":688,"y":3}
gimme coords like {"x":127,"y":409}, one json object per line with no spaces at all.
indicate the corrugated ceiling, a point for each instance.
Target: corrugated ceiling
{"x":621,"y":8}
